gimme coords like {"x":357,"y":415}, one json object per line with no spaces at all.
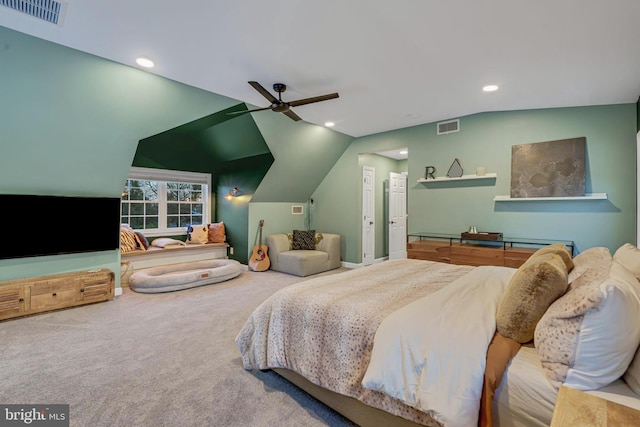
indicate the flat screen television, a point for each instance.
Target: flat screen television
{"x":52,"y":225}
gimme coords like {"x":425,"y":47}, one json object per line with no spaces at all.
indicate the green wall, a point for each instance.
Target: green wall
{"x":246,"y":175}
{"x":231,"y":149}
{"x":277,"y":219}
{"x":486,"y":140}
{"x":70,"y":124}
{"x":304,"y":154}
{"x":78,"y":136}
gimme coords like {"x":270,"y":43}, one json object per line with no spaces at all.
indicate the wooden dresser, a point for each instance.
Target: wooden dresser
{"x":453,"y":249}
{"x":22,"y":297}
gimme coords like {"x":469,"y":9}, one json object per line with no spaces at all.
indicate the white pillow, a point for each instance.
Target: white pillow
{"x":629,"y":256}
{"x":198,"y":234}
{"x":588,"y":337}
{"x":610,"y":333}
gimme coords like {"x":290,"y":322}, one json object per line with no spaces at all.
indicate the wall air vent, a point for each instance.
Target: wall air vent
{"x":449,"y":127}
{"x":48,"y":10}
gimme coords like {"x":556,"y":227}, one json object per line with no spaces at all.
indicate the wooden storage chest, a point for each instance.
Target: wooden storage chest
{"x":22,"y":297}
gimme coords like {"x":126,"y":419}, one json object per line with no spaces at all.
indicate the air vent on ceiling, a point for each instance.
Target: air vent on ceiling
{"x":449,"y":127}
{"x":48,"y":10}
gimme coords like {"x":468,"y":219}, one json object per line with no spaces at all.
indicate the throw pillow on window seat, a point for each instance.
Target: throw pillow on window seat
{"x":217,"y":233}
{"x":129,"y":241}
{"x":197,"y":234}
{"x":144,"y":242}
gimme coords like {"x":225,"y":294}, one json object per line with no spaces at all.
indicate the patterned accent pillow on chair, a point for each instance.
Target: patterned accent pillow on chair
{"x":304,"y":240}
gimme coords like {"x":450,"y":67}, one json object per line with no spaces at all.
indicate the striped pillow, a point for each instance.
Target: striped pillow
{"x":128,"y":240}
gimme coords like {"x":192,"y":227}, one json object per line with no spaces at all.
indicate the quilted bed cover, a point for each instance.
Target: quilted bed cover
{"x":324,"y":329}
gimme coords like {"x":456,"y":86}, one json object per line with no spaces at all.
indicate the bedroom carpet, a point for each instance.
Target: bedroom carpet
{"x":155,"y":360}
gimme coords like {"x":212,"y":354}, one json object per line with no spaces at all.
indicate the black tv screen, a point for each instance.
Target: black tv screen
{"x":52,"y":225}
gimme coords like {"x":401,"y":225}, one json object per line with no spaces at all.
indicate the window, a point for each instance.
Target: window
{"x":158,"y":201}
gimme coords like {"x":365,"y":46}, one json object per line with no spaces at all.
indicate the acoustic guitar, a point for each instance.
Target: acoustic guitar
{"x":259,"y":260}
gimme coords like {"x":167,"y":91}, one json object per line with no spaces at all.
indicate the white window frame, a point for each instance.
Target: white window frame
{"x":150,"y":174}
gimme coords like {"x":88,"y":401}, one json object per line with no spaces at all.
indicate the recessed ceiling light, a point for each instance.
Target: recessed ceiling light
{"x":329,"y":124}
{"x":144,"y":62}
{"x":404,"y":152}
{"x":490,"y":88}
{"x":413,"y":115}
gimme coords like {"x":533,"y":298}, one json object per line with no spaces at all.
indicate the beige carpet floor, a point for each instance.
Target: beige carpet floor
{"x":155,"y":360}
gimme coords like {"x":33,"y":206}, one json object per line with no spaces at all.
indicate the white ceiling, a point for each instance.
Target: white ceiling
{"x":395,"y":64}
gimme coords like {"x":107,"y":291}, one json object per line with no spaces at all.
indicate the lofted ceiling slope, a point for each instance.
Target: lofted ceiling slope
{"x":395,"y":64}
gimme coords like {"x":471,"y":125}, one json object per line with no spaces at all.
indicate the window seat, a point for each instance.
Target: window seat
{"x":155,"y":257}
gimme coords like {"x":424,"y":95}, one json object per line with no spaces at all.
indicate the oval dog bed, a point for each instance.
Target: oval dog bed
{"x":183,"y":276}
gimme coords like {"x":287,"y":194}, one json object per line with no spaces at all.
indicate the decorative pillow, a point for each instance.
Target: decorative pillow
{"x":304,"y":240}
{"x":167,"y":242}
{"x":142,"y":240}
{"x":197,"y":234}
{"x":532,"y":289}
{"x":593,"y":257}
{"x":588,"y":337}
{"x":217,"y":233}
{"x":318,"y":239}
{"x":558,"y":249}
{"x":128,"y":240}
{"x":629,"y":256}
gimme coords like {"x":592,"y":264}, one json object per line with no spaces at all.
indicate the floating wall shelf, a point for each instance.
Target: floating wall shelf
{"x":587,"y":196}
{"x":462,"y":178}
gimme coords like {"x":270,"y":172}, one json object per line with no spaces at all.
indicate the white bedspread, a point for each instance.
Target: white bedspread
{"x":431,"y":354}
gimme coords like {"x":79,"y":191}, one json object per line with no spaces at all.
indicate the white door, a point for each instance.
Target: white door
{"x":397,"y":216}
{"x":368,"y":215}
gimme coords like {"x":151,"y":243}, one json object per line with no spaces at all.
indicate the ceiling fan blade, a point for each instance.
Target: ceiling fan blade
{"x":248,"y":111}
{"x":314,"y":99}
{"x":257,"y":86}
{"x":292,"y":115}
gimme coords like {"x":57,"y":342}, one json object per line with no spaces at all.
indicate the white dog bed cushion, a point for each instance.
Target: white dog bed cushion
{"x":183,"y":276}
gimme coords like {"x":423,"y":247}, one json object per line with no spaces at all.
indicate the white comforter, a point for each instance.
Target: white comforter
{"x":431,"y":354}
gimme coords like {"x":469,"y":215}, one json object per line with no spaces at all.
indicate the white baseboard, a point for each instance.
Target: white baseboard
{"x":118,"y":292}
{"x":354,"y":265}
{"x":350,"y":264}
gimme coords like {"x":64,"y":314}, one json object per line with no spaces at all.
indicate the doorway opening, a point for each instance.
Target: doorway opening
{"x":384,"y":205}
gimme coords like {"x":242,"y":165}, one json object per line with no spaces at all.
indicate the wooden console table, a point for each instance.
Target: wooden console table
{"x":22,"y":297}
{"x":453,"y":249}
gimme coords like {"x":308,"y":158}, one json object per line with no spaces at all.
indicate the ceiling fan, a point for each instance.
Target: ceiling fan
{"x":280,"y":106}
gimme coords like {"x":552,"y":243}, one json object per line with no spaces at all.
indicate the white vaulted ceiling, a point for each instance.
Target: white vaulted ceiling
{"x":395,"y":64}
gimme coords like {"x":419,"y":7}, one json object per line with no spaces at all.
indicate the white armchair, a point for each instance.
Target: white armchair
{"x":325,"y":257}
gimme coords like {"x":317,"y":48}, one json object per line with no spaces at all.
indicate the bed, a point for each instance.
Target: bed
{"x":377,"y":345}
